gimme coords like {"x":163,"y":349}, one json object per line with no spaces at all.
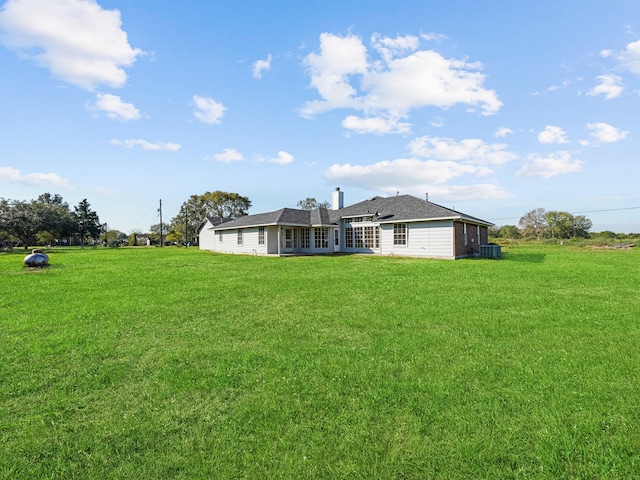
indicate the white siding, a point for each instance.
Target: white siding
{"x":424,"y":239}
{"x":229,"y":243}
{"x":206,"y":237}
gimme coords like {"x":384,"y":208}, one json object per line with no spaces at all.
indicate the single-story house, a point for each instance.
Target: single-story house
{"x":403,"y":225}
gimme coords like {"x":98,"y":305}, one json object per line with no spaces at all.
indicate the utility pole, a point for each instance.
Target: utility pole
{"x":160,"y":210}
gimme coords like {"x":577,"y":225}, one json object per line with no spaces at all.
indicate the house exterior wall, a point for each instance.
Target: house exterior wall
{"x":206,"y":238}
{"x":424,"y":239}
{"x":468,"y":238}
{"x":434,"y":239}
{"x":353,"y":246}
{"x":295,"y":244}
{"x":229,"y":243}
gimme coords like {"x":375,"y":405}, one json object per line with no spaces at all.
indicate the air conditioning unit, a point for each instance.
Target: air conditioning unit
{"x":490,"y":251}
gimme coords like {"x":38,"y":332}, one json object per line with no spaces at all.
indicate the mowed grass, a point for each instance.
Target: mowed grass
{"x":176,"y":363}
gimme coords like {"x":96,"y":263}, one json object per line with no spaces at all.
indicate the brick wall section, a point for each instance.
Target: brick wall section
{"x":473,"y":241}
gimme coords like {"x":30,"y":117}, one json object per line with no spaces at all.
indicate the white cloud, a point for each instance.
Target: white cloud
{"x":283,"y":158}
{"x":228,"y":155}
{"x":13,"y":175}
{"x":392,"y":86}
{"x":115,"y":108}
{"x":551,"y":165}
{"x":470,"y":150}
{"x":377,"y":125}
{"x":390,"y":48}
{"x":610,"y":86}
{"x":397,"y":174}
{"x":261,"y":66}
{"x":552,"y":134}
{"x":564,"y":84}
{"x":339,"y":58}
{"x":145,"y":145}
{"x":503,"y":132}
{"x":605,"y":133}
{"x":630,"y":57}
{"x":431,"y":36}
{"x":208,"y":110}
{"x":78,"y":41}
{"x":415,"y":177}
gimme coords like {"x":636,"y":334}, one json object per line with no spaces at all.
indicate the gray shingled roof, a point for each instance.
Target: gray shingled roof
{"x":402,"y":208}
{"x":284,"y":216}
{"x":320,"y":217}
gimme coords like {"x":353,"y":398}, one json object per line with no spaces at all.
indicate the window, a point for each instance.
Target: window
{"x":399,"y":233}
{"x":322,"y":238}
{"x":260,"y":235}
{"x":377,"y":233}
{"x":220,"y":237}
{"x":369,"y":241}
{"x":358,"y":237}
{"x":348,"y":237}
{"x":336,"y":237}
{"x":239,"y":237}
{"x":305,"y":238}
{"x":466,"y":238}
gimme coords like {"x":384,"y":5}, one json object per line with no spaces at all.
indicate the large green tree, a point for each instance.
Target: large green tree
{"x":310,"y":203}
{"x":560,"y":224}
{"x":19,"y":219}
{"x":533,"y":223}
{"x":566,"y":225}
{"x":54,"y":218}
{"x":581,"y":226}
{"x":87,"y":221}
{"x":210,"y":204}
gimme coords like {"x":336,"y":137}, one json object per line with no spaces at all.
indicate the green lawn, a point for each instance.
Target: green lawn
{"x":176,"y":363}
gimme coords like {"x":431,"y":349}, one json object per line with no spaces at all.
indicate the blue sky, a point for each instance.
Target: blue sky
{"x":492,"y":108}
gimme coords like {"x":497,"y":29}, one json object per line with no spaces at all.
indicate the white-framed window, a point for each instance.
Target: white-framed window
{"x":322,"y":237}
{"x":305,"y":238}
{"x":239,"y":237}
{"x":348,"y":237}
{"x":359,"y":240}
{"x":466,"y":237}
{"x":369,"y":237}
{"x":260,"y":235}
{"x":399,"y":233}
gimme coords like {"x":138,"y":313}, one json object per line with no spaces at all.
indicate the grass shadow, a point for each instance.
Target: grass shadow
{"x":524,"y":257}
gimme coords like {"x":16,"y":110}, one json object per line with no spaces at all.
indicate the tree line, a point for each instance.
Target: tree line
{"x":540,"y":223}
{"x":48,"y":220}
